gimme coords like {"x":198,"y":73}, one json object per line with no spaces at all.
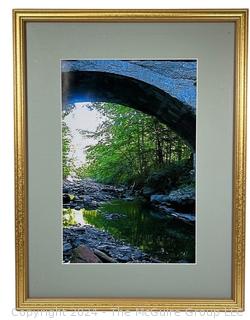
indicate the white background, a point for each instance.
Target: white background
{"x":7,"y":247}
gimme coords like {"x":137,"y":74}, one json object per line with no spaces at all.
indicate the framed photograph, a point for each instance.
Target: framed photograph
{"x":130,"y":145}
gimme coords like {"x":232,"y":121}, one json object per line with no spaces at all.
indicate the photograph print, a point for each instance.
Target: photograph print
{"x":128,"y":161}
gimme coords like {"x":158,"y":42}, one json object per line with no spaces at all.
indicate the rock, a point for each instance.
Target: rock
{"x":147,"y":191}
{"x":187,"y":217}
{"x":113,"y":216}
{"x":159,"y":198}
{"x":108,"y":189}
{"x":78,"y":201}
{"x":107,"y":246}
{"x":182,"y":194}
{"x":81,"y":229}
{"x":66,"y":206}
{"x":67,"y":247}
{"x":124,"y":258}
{"x":125,"y":248}
{"x":104,"y":257}
{"x":137,"y":255}
{"x":88,"y":194}
{"x":66,"y":198}
{"x":83,"y":254}
{"x":129,"y":198}
{"x":166,"y":209}
{"x":65,"y":190}
{"x":79,"y":241}
{"x":154,"y":260}
{"x":87,"y":199}
{"x":182,"y":199}
{"x":94,"y":204}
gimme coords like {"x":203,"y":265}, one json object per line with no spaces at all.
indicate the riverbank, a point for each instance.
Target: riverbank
{"x":87,"y":244}
{"x":88,"y":194}
{"x":153,"y":225}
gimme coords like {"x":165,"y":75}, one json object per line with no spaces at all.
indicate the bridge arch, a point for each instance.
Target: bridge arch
{"x":94,"y":86}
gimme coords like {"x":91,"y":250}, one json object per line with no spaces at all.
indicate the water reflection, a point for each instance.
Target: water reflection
{"x":163,"y":237}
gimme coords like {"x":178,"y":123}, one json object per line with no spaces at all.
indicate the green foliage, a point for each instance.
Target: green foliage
{"x":145,"y":228}
{"x":66,"y":138}
{"x":170,"y":177}
{"x":68,"y":218}
{"x":130,"y":146}
{"x":81,"y":172}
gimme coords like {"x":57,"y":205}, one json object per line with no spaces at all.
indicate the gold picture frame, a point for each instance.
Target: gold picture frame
{"x":240,"y":18}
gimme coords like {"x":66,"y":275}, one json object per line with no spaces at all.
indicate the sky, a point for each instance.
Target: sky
{"x":81,"y":117}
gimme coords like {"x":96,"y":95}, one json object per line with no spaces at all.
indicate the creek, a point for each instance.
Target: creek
{"x":136,"y":223}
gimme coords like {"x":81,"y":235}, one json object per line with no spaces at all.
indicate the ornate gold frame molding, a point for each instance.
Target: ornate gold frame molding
{"x":20,"y":18}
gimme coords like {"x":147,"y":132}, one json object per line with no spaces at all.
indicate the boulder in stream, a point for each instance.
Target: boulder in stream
{"x":182,"y":199}
{"x":83,"y":254}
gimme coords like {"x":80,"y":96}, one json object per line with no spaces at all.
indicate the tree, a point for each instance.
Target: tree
{"x":66,"y":138}
{"x":131,"y":144}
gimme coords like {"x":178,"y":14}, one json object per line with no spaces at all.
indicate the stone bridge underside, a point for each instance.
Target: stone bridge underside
{"x":120,"y":86}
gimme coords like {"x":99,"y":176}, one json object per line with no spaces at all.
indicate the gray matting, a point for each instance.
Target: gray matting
{"x":213,"y":45}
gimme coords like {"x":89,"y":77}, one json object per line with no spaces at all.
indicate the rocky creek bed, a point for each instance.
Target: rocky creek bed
{"x":89,"y":194}
{"x":88,"y":244}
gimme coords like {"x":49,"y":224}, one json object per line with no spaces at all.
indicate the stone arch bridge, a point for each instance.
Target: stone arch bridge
{"x":164,"y":89}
